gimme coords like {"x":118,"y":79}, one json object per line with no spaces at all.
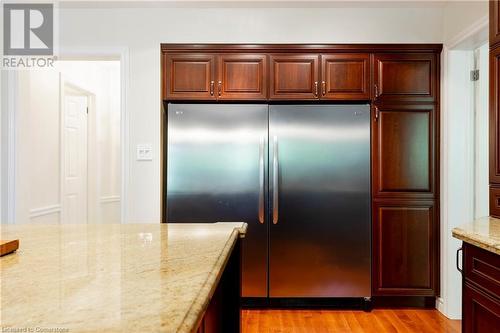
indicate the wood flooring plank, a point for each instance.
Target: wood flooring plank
{"x":342,"y":321}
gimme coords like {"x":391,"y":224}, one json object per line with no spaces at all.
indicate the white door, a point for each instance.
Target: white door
{"x":75,"y":159}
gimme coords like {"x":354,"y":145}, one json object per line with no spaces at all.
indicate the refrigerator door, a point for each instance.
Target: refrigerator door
{"x":320,"y":201}
{"x":217,"y":171}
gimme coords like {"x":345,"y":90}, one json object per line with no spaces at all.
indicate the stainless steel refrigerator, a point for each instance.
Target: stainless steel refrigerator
{"x":299,"y":175}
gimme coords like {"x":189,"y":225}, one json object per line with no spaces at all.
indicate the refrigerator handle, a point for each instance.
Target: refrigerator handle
{"x":261,"y":180}
{"x":275,"y":180}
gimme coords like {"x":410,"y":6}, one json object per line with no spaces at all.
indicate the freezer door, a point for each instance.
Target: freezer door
{"x":217,"y":171}
{"x":320,"y":196}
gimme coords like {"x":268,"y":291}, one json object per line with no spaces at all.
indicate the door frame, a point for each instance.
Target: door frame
{"x":121,"y":54}
{"x":64,"y":87}
{"x":449,"y":301}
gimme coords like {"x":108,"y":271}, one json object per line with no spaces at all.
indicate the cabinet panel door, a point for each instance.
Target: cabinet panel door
{"x":404,"y":148}
{"x":494,"y":22}
{"x":345,"y":76}
{"x":480,"y":312}
{"x":406,"y":77}
{"x":190,"y":76}
{"x":294,"y":76}
{"x":494,"y":121}
{"x":242,"y":76}
{"x":404,"y":248}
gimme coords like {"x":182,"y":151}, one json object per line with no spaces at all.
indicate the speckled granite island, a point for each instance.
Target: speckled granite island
{"x":480,"y":268}
{"x":121,"y":278}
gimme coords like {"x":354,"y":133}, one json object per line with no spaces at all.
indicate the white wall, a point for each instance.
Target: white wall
{"x":102,"y":79}
{"x":38,"y":148}
{"x":458,"y":15}
{"x":38,"y":141}
{"x":141,"y":30}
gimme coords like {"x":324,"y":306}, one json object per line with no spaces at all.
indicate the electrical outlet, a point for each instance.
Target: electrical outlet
{"x":144,"y":152}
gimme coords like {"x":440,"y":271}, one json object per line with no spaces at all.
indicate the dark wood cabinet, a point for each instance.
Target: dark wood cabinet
{"x":404,"y":248}
{"x":480,"y":290}
{"x":401,"y":82}
{"x":242,"y":77}
{"x":494,"y":23}
{"x":404,"y":151}
{"x":294,"y":76}
{"x":406,"y":77}
{"x":190,"y":76}
{"x":345,"y":76}
{"x":494,"y":105}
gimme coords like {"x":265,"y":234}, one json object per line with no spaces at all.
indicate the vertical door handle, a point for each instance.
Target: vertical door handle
{"x":261,"y":180}
{"x":376,"y":91}
{"x":377,"y":112}
{"x":323,"y":87}
{"x":275,"y":180}
{"x":219,"y":89}
{"x":316,"y":88}
{"x":458,"y":261}
{"x":212,"y":88}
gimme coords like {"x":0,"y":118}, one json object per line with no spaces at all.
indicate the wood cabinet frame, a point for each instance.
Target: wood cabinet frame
{"x":371,"y":55}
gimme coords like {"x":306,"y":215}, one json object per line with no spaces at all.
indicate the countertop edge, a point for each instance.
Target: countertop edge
{"x":199,"y":306}
{"x":476,"y":240}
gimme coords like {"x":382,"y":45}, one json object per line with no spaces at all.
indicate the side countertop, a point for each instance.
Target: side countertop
{"x":483,"y":233}
{"x":112,"y":277}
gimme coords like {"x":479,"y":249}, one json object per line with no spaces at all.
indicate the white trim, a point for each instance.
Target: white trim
{"x":475,"y":35}
{"x":42,"y":211}
{"x":474,"y":30}
{"x":13,"y":103}
{"x":110,"y":199}
{"x":122,"y":54}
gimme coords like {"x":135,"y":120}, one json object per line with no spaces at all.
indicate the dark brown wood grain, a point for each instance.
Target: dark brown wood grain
{"x":403,"y":151}
{"x":494,"y":23}
{"x":190,"y":76}
{"x":243,"y":76}
{"x":405,"y":78}
{"x":345,"y":76}
{"x":294,"y":76}
{"x":480,"y":311}
{"x":404,"y":247}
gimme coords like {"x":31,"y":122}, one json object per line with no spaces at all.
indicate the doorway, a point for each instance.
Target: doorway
{"x":74,"y":154}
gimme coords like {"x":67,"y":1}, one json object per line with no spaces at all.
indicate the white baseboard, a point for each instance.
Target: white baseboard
{"x":42,"y":211}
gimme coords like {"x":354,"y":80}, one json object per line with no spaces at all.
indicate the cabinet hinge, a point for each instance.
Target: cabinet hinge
{"x":474,"y":75}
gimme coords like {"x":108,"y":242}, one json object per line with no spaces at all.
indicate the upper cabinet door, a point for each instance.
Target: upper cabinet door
{"x":494,"y":22}
{"x":404,"y":151}
{"x":190,"y":76}
{"x":242,"y":76}
{"x":294,"y":76}
{"x":405,"y":77}
{"x":345,"y":76}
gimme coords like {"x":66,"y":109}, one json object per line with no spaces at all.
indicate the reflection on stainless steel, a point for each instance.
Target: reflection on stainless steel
{"x":275,"y":181}
{"x":216,"y":171}
{"x":261,"y":180}
{"x":321,"y":245}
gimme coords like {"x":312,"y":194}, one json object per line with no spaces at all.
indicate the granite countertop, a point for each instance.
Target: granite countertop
{"x":112,"y":277}
{"x":483,"y":233}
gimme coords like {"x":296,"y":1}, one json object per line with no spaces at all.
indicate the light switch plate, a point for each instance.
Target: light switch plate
{"x":144,"y":152}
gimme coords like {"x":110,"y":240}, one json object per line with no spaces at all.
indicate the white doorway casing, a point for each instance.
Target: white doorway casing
{"x":460,"y":170}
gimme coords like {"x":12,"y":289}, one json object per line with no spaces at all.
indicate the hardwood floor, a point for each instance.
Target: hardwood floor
{"x":339,"y":321}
